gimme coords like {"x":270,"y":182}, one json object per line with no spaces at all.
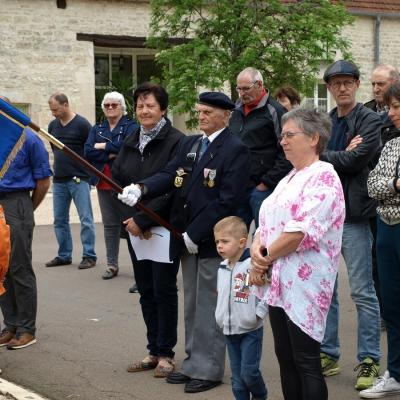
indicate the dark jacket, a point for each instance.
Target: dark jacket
{"x":389,"y":132}
{"x":100,"y":133}
{"x":130,"y":167}
{"x":260,"y":131}
{"x":353,"y":167}
{"x":198,"y":204}
{"x":374,"y":107}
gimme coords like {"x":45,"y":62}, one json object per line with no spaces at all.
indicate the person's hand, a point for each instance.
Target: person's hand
{"x":354,"y":143}
{"x":147,"y":234}
{"x":262,"y":187}
{"x":100,"y":146}
{"x":130,"y":195}
{"x":191,"y":247}
{"x":256,"y":278}
{"x":259,"y":262}
{"x":132,"y":227}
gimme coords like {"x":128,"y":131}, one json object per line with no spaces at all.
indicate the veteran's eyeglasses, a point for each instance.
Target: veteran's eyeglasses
{"x":111,"y":105}
{"x":245,"y":88}
{"x":348,"y":84}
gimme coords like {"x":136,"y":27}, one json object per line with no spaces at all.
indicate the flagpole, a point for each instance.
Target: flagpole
{"x":94,"y":170}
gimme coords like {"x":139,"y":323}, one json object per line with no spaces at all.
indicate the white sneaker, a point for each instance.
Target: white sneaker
{"x":383,"y":386}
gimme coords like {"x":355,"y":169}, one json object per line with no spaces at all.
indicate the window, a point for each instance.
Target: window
{"x":321,"y":99}
{"x":122,"y":70}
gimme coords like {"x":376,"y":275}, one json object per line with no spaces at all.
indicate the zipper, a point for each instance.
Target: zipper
{"x":229,"y":303}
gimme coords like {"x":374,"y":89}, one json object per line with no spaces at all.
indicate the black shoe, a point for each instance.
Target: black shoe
{"x":57,"y":261}
{"x":110,"y":272}
{"x":133,"y":288}
{"x":177,"y":378}
{"x":86,"y":263}
{"x":199,"y":385}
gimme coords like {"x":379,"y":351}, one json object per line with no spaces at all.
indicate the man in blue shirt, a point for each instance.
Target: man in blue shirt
{"x":22,"y":189}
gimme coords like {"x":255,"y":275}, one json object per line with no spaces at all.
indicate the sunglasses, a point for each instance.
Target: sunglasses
{"x":110,"y":105}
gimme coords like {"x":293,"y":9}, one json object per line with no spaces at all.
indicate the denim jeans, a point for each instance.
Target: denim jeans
{"x":244,"y":355}
{"x":356,"y":251}
{"x":63,"y":193}
{"x":388,"y":252}
{"x":112,"y":223}
{"x":249,"y":208}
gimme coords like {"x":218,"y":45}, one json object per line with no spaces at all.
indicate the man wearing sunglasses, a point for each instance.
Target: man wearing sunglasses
{"x":70,"y":182}
{"x":256,"y":120}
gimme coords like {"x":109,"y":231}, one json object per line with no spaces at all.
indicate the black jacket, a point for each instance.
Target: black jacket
{"x":259,"y":131}
{"x":130,"y":167}
{"x":198,"y":204}
{"x":353,"y":167}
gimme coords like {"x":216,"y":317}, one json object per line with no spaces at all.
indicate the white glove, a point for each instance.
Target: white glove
{"x":191,"y":247}
{"x":130,"y":195}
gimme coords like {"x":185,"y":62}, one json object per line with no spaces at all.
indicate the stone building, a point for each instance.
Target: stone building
{"x":76,"y":46}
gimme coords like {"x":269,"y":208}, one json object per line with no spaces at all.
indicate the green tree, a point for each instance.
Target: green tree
{"x":217,"y":39}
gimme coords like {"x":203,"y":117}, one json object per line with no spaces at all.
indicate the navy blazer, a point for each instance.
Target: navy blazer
{"x":208,"y":190}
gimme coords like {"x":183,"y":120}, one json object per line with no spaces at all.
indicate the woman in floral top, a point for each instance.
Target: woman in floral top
{"x":300,"y":236}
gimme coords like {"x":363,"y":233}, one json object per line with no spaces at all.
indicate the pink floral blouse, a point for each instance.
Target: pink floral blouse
{"x":311,"y":201}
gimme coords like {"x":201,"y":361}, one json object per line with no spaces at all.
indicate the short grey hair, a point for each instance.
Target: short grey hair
{"x":115,"y":96}
{"x":392,"y":71}
{"x":311,"y":121}
{"x":255,"y":74}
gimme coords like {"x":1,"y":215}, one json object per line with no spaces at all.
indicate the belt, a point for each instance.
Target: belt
{"x":10,"y":195}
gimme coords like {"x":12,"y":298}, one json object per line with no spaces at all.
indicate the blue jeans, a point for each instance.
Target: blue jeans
{"x":249,"y":209}
{"x":356,"y":251}
{"x":63,"y":193}
{"x":244,"y":355}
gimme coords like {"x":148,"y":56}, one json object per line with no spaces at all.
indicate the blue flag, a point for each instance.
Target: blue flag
{"x":12,"y":136}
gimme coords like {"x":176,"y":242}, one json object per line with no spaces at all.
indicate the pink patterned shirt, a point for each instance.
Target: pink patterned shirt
{"x":310,"y":201}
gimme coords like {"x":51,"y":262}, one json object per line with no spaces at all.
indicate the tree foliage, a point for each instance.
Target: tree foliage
{"x":286,"y":41}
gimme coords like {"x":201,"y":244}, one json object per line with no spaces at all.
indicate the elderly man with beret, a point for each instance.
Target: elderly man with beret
{"x":209,"y":174}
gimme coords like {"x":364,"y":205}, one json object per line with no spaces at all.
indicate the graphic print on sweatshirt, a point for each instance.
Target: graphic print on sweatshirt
{"x":241,"y":289}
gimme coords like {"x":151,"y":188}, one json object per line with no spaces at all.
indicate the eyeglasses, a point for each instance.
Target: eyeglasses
{"x":111,"y":105}
{"x":288,"y":135}
{"x":245,"y":88}
{"x":347,"y":84}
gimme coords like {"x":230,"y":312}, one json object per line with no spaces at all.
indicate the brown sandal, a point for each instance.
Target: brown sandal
{"x":149,"y":362}
{"x":165,"y":366}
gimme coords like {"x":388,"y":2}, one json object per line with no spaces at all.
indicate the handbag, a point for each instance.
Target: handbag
{"x":5,"y":249}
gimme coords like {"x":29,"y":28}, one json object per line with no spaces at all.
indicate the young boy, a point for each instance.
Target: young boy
{"x":239,"y":313}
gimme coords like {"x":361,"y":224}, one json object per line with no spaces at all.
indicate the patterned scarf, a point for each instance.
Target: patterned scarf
{"x":147,"y":136}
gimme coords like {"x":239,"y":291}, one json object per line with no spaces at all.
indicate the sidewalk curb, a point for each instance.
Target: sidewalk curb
{"x":17,"y":392}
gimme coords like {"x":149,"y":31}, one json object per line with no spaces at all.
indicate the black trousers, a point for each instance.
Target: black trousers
{"x":156,"y":284}
{"x":299,"y":359}
{"x":19,"y":303}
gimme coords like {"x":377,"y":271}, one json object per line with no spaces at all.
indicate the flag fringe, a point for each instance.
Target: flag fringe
{"x":12,"y":155}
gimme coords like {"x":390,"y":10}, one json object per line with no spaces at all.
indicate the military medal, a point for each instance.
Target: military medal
{"x":211,"y":178}
{"x":206,"y":172}
{"x":179,"y":177}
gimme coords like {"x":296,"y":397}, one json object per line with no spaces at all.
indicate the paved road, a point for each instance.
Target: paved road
{"x":90,"y":329}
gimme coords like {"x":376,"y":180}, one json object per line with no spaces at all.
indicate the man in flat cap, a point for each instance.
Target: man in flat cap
{"x":209,"y":174}
{"x":354,"y":143}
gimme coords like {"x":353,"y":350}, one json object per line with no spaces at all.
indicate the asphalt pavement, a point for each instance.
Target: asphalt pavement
{"x":89,"y":330}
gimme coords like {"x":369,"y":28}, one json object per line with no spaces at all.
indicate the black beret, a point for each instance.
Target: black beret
{"x":341,"y":67}
{"x":216,"y":99}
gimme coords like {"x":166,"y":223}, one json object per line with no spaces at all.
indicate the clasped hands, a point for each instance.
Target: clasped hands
{"x":260,"y":264}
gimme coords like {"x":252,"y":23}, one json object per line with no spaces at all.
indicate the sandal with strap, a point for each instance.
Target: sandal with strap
{"x":149,"y":362}
{"x":165,"y":366}
{"x":110,"y":272}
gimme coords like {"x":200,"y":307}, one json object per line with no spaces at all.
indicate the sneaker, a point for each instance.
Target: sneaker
{"x":369,"y":371}
{"x":5,"y":337}
{"x":57,"y":261}
{"x":24,"y":340}
{"x":329,"y":365}
{"x":133,"y":288}
{"x":383,"y":386}
{"x":86,"y":263}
